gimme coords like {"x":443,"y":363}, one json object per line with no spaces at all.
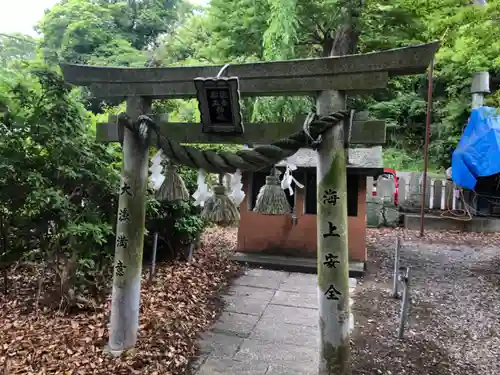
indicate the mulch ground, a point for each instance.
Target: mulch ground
{"x":181,"y":302}
{"x":453,"y":328}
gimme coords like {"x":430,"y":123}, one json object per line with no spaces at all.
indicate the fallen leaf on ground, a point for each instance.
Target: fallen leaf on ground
{"x":180,"y":304}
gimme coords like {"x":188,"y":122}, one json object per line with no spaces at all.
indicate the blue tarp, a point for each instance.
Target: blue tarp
{"x":478,"y":152}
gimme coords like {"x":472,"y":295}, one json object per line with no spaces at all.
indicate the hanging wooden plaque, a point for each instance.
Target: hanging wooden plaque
{"x":219,"y":104}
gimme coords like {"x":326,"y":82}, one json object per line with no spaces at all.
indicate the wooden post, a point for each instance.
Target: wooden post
{"x":129,"y":236}
{"x":333,"y":257}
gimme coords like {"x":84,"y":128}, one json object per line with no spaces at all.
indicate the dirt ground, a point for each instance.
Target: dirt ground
{"x":454,"y":327}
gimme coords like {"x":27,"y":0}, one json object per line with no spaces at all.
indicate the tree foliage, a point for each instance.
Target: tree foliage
{"x":99,"y":31}
{"x":278,"y":29}
{"x":16,"y":47}
{"x":112,"y":32}
{"x":57,"y":190}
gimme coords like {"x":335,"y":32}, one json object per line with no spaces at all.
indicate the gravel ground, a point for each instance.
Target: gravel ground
{"x":453,"y":327}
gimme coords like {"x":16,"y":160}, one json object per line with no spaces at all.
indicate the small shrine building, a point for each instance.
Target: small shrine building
{"x":294,"y":234}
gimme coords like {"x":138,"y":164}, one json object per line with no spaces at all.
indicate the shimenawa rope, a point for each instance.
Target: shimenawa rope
{"x":247,"y":159}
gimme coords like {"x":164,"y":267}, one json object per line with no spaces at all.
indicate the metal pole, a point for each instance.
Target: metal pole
{"x":405,"y":302}
{"x":426,"y":146}
{"x":153,"y":258}
{"x":395,"y":280}
{"x":479,"y":87}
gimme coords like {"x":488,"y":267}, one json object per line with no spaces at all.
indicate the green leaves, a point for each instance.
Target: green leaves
{"x":47,"y":153}
{"x":16,"y":47}
{"x":281,"y":35}
{"x":104,"y":32}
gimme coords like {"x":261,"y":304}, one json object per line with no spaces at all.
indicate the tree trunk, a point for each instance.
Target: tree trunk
{"x":344,"y":40}
{"x":129,"y":236}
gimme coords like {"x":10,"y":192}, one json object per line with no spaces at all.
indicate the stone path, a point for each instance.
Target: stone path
{"x":269,"y":327}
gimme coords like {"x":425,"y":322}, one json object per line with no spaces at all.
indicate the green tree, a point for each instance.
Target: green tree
{"x":106,"y":32}
{"x":16,"y":47}
{"x":187,"y":44}
{"x":57,"y":188}
{"x":142,"y":21}
{"x":74,"y":29}
{"x":118,"y":52}
{"x":470,"y":43}
{"x":237,"y":27}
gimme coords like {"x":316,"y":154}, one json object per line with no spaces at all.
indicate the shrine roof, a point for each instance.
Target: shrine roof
{"x":361,"y":157}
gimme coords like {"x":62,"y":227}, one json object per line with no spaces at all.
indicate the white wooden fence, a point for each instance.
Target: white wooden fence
{"x":441,"y":194}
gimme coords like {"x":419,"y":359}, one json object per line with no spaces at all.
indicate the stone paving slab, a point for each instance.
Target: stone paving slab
{"x":235,"y":324}
{"x":252,"y":292}
{"x":300,"y":283}
{"x":302,"y":278}
{"x":250,"y":306}
{"x":259,"y":281}
{"x":282,"y":354}
{"x":278,"y":333}
{"x":309,"y":300}
{"x":297,"y":288}
{"x":219,"y":345}
{"x":291,"y":315}
{"x":217,"y":366}
{"x":269,"y":327}
{"x":290,"y":370}
{"x":261,"y":272}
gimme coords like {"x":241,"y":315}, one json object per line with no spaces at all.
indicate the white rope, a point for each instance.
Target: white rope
{"x":222,"y":70}
{"x":351,"y":121}
{"x":307,"y":124}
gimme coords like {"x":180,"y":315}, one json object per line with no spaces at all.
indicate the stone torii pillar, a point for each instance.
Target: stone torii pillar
{"x":125,"y":300}
{"x":333,"y":252}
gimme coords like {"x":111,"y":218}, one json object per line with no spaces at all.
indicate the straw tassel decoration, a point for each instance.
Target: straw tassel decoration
{"x":220,"y":208}
{"x":272,"y":199}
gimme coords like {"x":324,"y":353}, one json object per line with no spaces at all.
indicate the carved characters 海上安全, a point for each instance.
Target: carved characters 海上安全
{"x":331,"y":231}
{"x":331,"y":260}
{"x":332,"y":293}
{"x":330,"y":197}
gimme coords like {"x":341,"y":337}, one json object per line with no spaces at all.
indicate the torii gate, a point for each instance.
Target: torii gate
{"x":328,"y":79}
